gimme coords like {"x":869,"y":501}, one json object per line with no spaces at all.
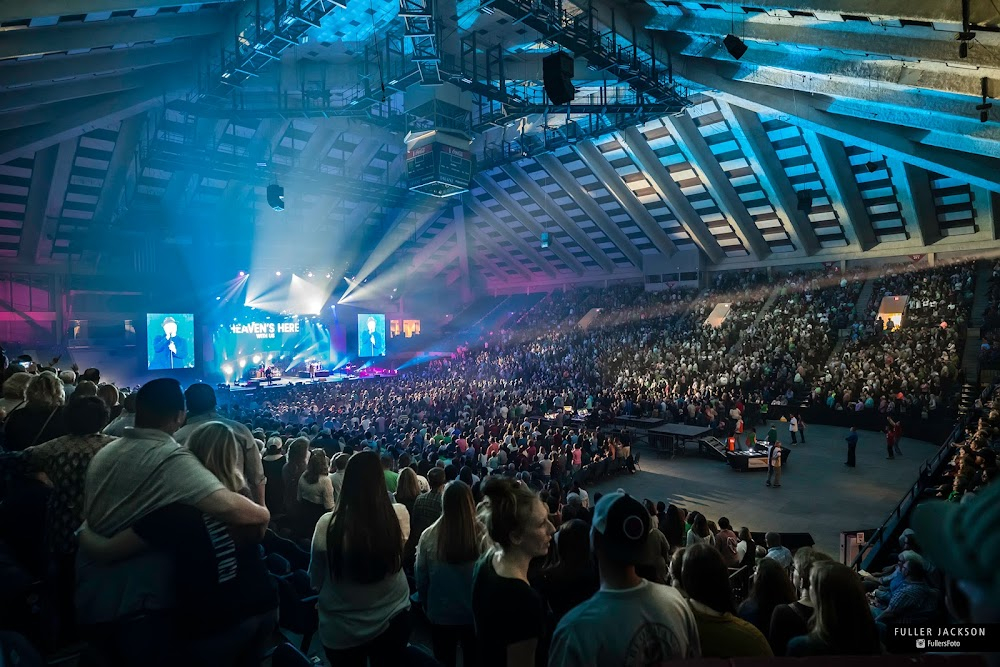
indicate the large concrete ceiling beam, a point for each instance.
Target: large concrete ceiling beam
{"x":56,"y":197}
{"x":892,"y":141}
{"x":526,"y":219}
{"x":34,"y":96}
{"x":91,"y":66}
{"x":638,"y":149}
{"x":587,"y":204}
{"x":694,"y":147}
{"x":913,"y":187}
{"x":58,"y":124}
{"x":854,"y":36}
{"x":122,"y":157}
{"x":42,"y":172}
{"x":11,"y":10}
{"x":542,"y":198}
{"x":533,"y":256}
{"x":611,"y":180}
{"x":492,"y":246}
{"x":915,"y":10}
{"x":760,"y":153}
{"x":987,"y":214}
{"x":74,"y":36}
{"x":845,"y":195}
{"x":424,"y":254}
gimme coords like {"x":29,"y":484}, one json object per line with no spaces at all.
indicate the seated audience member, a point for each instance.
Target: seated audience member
{"x":746,"y":550}
{"x":777,"y":552}
{"x":573,"y":578}
{"x":518,"y":524}
{"x":446,"y":558}
{"x":125,"y":420}
{"x":771,"y":588}
{"x":888,"y":585}
{"x":201,"y":407}
{"x":40,"y":419}
{"x":842,"y":624}
{"x":129,"y":479}
{"x":357,"y":567}
{"x":629,"y":620}
{"x":792,"y":620}
{"x":954,"y":538}
{"x":722,"y":633}
{"x":914,"y":602}
{"x":221,"y":620}
{"x":315,"y":496}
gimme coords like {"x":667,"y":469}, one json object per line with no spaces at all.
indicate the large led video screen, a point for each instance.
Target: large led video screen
{"x":371,"y":335}
{"x":169,"y":341}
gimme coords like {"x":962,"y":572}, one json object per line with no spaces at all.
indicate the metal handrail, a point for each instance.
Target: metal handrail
{"x":903,"y":506}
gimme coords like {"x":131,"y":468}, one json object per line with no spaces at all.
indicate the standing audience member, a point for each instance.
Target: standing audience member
{"x":771,"y":588}
{"x":223,"y":619}
{"x":776,"y":551}
{"x":842,"y":623}
{"x":201,"y":406}
{"x":852,"y":447}
{"x":315,"y":495}
{"x":727,"y":543}
{"x":125,"y":420}
{"x":40,"y":419}
{"x":446,"y":557}
{"x":127,"y":606}
{"x":792,"y":620}
{"x":518,"y":524}
{"x":357,"y":567}
{"x":573,"y":578}
{"x":298,"y":458}
{"x":14,"y":389}
{"x":273,"y":462}
{"x":629,"y":620}
{"x":774,"y":463}
{"x":407,"y":489}
{"x":722,"y":633}
{"x":337,"y":478}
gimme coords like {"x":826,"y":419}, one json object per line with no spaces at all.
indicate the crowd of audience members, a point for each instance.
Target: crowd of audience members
{"x":453,"y":493}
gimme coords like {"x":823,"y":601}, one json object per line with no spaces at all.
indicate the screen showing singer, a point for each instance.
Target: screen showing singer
{"x":371,"y":335}
{"x":170,"y":340}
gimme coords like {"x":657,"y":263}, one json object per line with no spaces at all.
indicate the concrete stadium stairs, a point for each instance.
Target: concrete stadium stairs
{"x":984,"y":271}
{"x":865,"y":297}
{"x":768,"y":305}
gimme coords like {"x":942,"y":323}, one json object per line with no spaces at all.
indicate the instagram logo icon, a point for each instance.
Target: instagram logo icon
{"x":921,"y":643}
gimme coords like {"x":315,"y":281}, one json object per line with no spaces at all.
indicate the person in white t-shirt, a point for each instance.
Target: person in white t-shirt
{"x":629,"y":621}
{"x":793,"y":428}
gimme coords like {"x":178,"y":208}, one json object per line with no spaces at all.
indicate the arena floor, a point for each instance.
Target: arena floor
{"x":818,"y":494}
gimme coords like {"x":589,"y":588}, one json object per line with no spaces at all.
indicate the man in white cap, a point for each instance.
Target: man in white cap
{"x":629,"y":621}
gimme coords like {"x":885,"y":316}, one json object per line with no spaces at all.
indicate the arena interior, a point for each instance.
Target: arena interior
{"x":658,"y":330}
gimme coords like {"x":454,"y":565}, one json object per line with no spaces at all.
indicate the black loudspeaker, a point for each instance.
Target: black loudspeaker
{"x":276,"y":197}
{"x":557,"y":76}
{"x":805,"y":200}
{"x":735,"y":46}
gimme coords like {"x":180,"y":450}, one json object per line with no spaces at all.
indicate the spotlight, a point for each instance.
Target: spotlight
{"x":736,"y":47}
{"x":277,"y":273}
{"x":276,"y":197}
{"x":243,"y":362}
{"x":242,"y":273}
{"x":227,"y":369}
{"x":328,"y":275}
{"x":218,"y":298}
{"x":310,"y":274}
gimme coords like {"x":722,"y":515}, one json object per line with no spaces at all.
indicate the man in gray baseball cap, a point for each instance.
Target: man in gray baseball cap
{"x":629,"y":621}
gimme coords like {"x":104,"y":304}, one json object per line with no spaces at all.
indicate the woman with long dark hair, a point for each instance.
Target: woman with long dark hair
{"x":407,"y":488}
{"x":357,"y":566}
{"x":700,"y":532}
{"x":771,"y":588}
{"x":315,"y":493}
{"x":511,"y":622}
{"x":446,"y":557}
{"x":673,"y":527}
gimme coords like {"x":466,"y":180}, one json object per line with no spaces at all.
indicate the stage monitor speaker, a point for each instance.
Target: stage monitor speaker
{"x":276,"y":197}
{"x":557,"y":77}
{"x":736,"y":47}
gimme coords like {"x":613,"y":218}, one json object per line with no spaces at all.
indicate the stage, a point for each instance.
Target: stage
{"x":818,"y":494}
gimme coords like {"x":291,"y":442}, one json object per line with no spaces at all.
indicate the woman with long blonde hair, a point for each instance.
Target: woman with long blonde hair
{"x":842,"y":623}
{"x":315,"y":493}
{"x":40,"y":418}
